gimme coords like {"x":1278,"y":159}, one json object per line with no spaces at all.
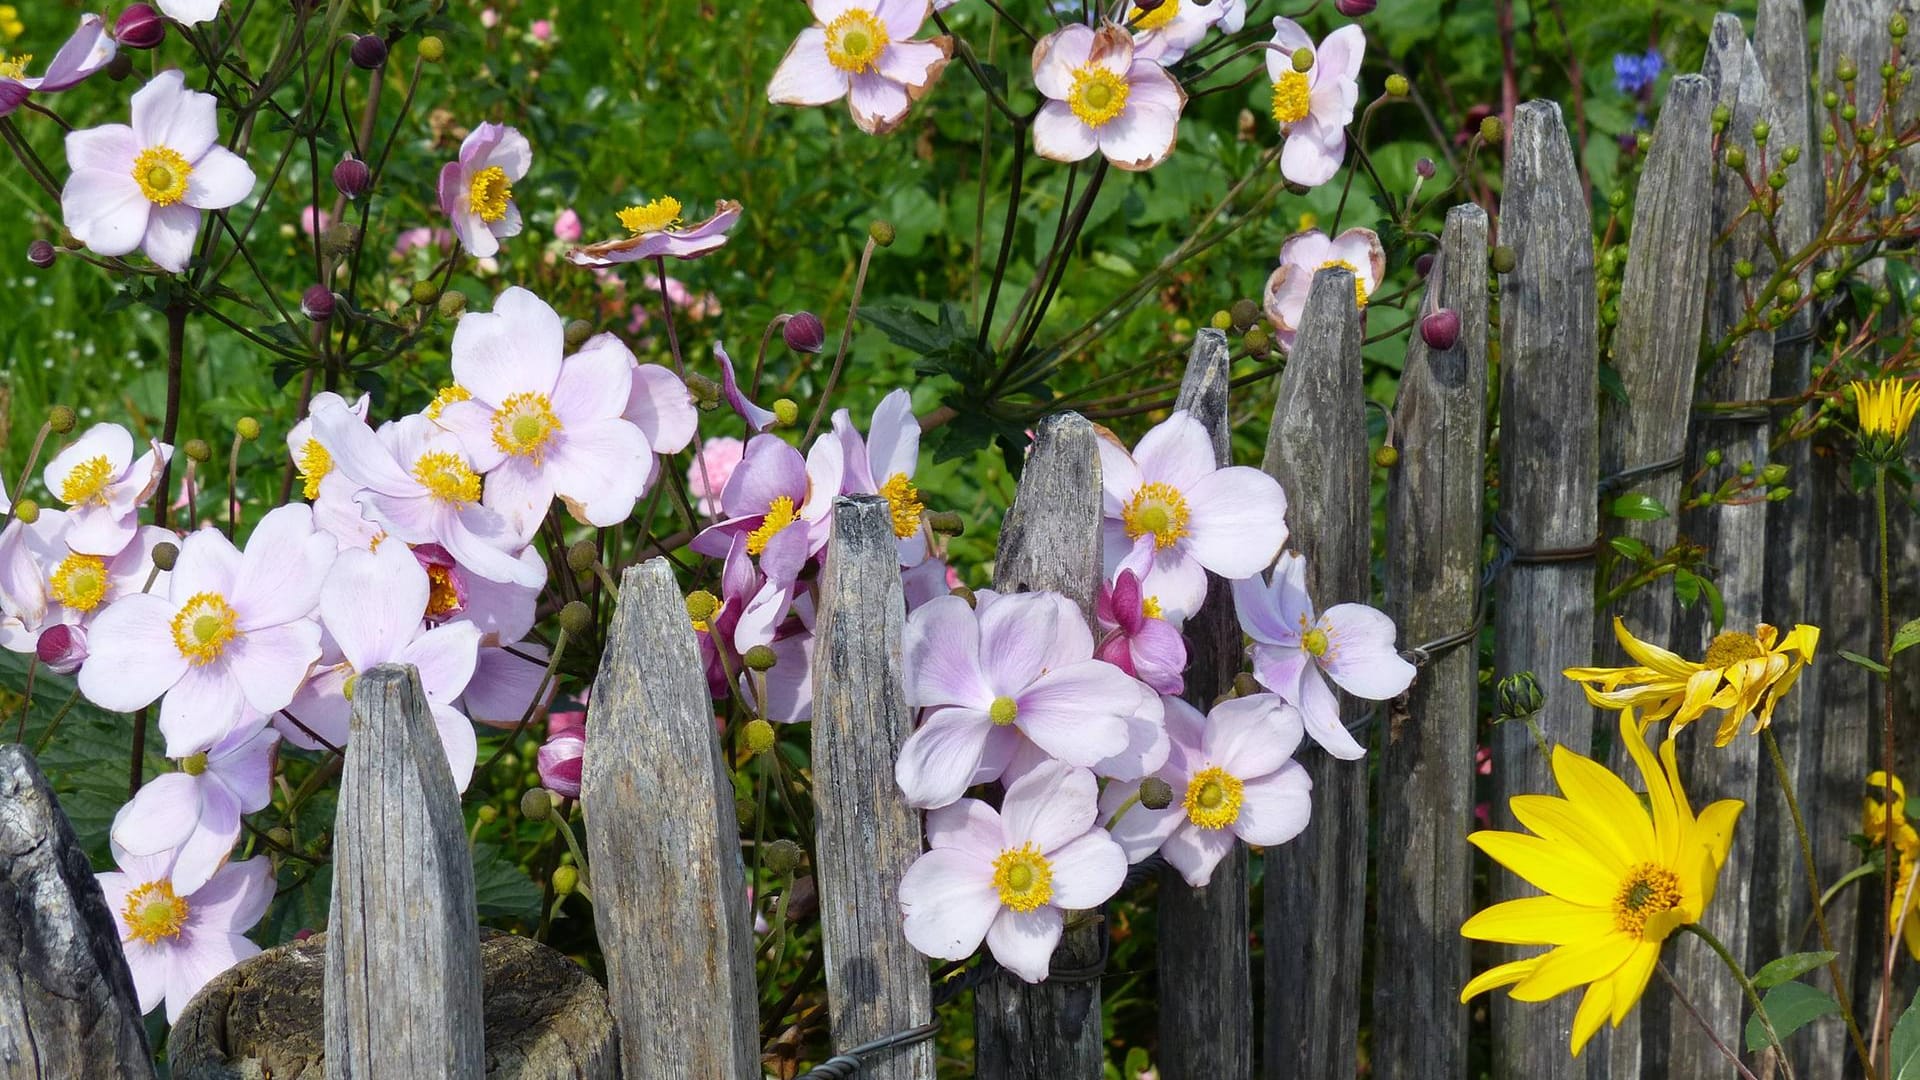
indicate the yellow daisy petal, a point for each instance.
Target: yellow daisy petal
{"x":1567,"y":966}
{"x":1560,"y":822}
{"x":1538,"y":920}
{"x":1631,"y":980}
{"x":1607,"y":799}
{"x":1650,"y":655}
{"x":1593,"y":1012}
{"x":1495,"y":977}
{"x":1568,"y":873}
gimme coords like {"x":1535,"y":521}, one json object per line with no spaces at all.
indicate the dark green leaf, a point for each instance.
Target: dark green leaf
{"x":1638,"y":506}
{"x":1904,"y":1062}
{"x":1791,"y":1006}
{"x":1867,"y":662}
{"x":1631,"y":548}
{"x":500,"y":887}
{"x":1789,"y":967}
{"x":1906,"y":637}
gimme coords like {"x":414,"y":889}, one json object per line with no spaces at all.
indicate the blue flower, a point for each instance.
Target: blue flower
{"x":1635,"y":74}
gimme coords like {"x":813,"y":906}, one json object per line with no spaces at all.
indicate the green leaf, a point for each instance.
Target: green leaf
{"x":1638,"y":506}
{"x":500,"y":887}
{"x":906,"y":328}
{"x":1906,"y":637}
{"x":1904,"y":1062}
{"x":1631,"y":548}
{"x":1866,"y":662}
{"x":1791,"y":1006}
{"x":1789,"y":967}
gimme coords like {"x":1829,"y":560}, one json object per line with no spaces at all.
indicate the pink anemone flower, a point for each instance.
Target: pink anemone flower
{"x":196,"y":810}
{"x":1102,"y":96}
{"x":506,"y":684}
{"x":177,"y":939}
{"x":476,"y":191}
{"x":782,"y":503}
{"x":659,"y":403}
{"x":1314,"y":107}
{"x":1006,"y":876}
{"x":1179,"y":515}
{"x":233,"y":633}
{"x":1233,"y":778}
{"x":145,"y":186}
{"x":883,"y":463}
{"x":1295,"y":651}
{"x":88,"y":49}
{"x":862,"y":50}
{"x":1023,"y":661}
{"x":654,"y":229}
{"x":539,"y":425}
{"x":310,"y":459}
{"x":104,"y":486}
{"x":1137,"y":638}
{"x":1357,"y":251}
{"x":1164,"y":34}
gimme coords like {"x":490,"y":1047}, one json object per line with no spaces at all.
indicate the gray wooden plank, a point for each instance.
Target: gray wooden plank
{"x":1316,"y":886}
{"x":1050,"y":540}
{"x":867,"y":835}
{"x":1548,"y":477}
{"x":1433,"y":592}
{"x":670,"y":894}
{"x":1206,"y":981}
{"x":67,"y":1005}
{"x":403,"y":953}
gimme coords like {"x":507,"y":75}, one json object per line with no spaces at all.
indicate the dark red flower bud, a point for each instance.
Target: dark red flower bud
{"x":62,"y":648}
{"x":317,"y":303}
{"x":40,"y":253}
{"x":140,"y":27}
{"x":1440,"y":329}
{"x":352,"y":177}
{"x":1423,"y":264}
{"x":1425,"y":168}
{"x":369,"y":51}
{"x":1353,"y":9}
{"x":804,"y":332}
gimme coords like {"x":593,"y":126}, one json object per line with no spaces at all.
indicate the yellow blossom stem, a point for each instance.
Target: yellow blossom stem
{"x":1713,"y":1037}
{"x":1840,"y":992}
{"x":1746,"y":985}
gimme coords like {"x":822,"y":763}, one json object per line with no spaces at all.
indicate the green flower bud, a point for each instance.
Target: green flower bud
{"x":1773,"y":474}
{"x":164,"y":553}
{"x":1715,"y":458}
{"x":1397,"y":86}
{"x":760,"y":736}
{"x":1736,"y":158}
{"x":27,"y":511}
{"x":1155,"y":793}
{"x":247,"y":428}
{"x":432,"y":49}
{"x":536,"y":804}
{"x":61,"y":419}
{"x":1825,"y":280}
{"x":1386,"y":457}
{"x":1761,"y":130}
{"x":881,"y":233}
{"x":1745,"y":469}
{"x":1742,"y":269}
{"x":1222,"y":320}
{"x":761,"y":658}
{"x":947,"y":523}
{"x":702,"y":606}
{"x":1720,"y":116}
{"x":1897,"y":27}
{"x":581,"y":556}
{"x":1845,"y":70}
{"x":745,"y":812}
{"x":1790,"y":155}
{"x":1245,"y":313}
{"x":198,"y":450}
{"x":1789,"y":291}
{"x":425,"y":292}
{"x":1245,"y":685}
{"x":1618,"y":199}
{"x":488,"y":813}
{"x":1504,"y":259}
{"x":786,"y":412}
{"x":576,"y":618}
{"x":578,"y":331}
{"x":1489,"y":128}
{"x":453,"y":303}
{"x":279,"y":836}
{"x":1779,"y":494}
{"x":1520,"y":695}
{"x":1302,"y":59}
{"x":782,"y":857}
{"x":565,"y":880}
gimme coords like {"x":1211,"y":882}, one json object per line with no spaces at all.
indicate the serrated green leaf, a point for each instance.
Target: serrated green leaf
{"x":1906,"y":637}
{"x":1638,"y":506}
{"x":1791,"y":1006}
{"x":500,"y":887}
{"x":1867,"y":662}
{"x":1789,"y":967}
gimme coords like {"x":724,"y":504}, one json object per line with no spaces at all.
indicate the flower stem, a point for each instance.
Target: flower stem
{"x":1746,"y":985}
{"x":170,"y":428}
{"x":1840,"y":991}
{"x":1887,"y":750}
{"x":1680,"y":996}
{"x":846,"y":338}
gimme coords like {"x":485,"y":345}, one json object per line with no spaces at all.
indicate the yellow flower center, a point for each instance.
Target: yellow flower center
{"x":347,"y":684}
{"x":203,"y":626}
{"x":153,"y":912}
{"x":80,"y":581}
{"x":1098,"y":95}
{"x":661,"y":213}
{"x":1359,"y":283}
{"x":314,"y":464}
{"x":1155,"y":19}
{"x":905,"y":500}
{"x":446,"y":477}
{"x":442,"y":596}
{"x":1023,"y":877}
{"x":780,"y":514}
{"x":1315,"y":642}
{"x":489,"y":193}
{"x":1003,"y":711}
{"x":1159,"y":509}
{"x":447,"y":396}
{"x":1649,"y":890}
{"x":162,"y":175}
{"x":1150,"y":608}
{"x":14,"y":67}
{"x":87,"y":481}
{"x":1292,"y":97}
{"x":1732,"y":647}
{"x":855,"y":40}
{"x":523,"y":424}
{"x":194,"y":764}
{"x":1213,"y":798}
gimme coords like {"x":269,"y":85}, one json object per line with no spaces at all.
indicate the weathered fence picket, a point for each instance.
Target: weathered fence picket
{"x":1548,"y":511}
{"x":866,"y":835}
{"x":670,"y":894}
{"x":1206,"y":981}
{"x":1427,"y":744}
{"x":1316,"y":886}
{"x":403,"y":951}
{"x":1051,"y":540}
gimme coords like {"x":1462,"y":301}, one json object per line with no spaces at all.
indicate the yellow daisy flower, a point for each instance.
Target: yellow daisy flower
{"x":1741,"y":674}
{"x":1875,"y":818}
{"x":1886,"y":407}
{"x":1617,"y":881}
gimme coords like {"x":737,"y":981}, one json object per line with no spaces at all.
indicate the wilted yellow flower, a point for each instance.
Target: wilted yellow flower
{"x":1740,"y":674}
{"x":1618,"y":881}
{"x":1878,"y":813}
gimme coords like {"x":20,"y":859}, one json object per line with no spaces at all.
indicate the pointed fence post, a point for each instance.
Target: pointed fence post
{"x":403,"y":947}
{"x":1316,"y":885}
{"x":1433,"y":591}
{"x":867,"y":835}
{"x":1206,"y":983}
{"x":1656,"y":345}
{"x":669,"y":891}
{"x":67,"y":1004}
{"x":1548,"y":475}
{"x":1050,"y":540}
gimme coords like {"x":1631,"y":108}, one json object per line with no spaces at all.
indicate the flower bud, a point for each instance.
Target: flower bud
{"x":1155,"y":793}
{"x":27,"y":511}
{"x":1897,"y":27}
{"x":317,"y":303}
{"x":432,"y":49}
{"x":352,"y":177}
{"x":705,"y":392}
{"x":61,"y":647}
{"x":1736,"y":158}
{"x":1504,"y":260}
{"x":198,"y":450}
{"x":1245,"y":685}
{"x":369,"y":51}
{"x":1845,"y":70}
{"x":578,"y":331}
{"x":1423,"y":265}
{"x":702,"y":606}
{"x":488,"y":813}
{"x":536,"y":804}
{"x":1715,"y":458}
{"x":761,"y":658}
{"x":120,"y":66}
{"x":1302,"y":59}
{"x":61,"y":419}
{"x":565,"y":880}
{"x":1386,"y":457}
{"x":1353,"y":9}
{"x":1742,"y":269}
{"x":576,"y":618}
{"x":425,"y":292}
{"x":1397,"y":86}
{"x":744,"y":811}
{"x":946,"y":523}
{"x":280,"y":836}
{"x":452,"y":303}
{"x":1245,"y":313}
{"x":139,"y":27}
{"x":165,"y":553}
{"x":1425,"y":169}
{"x":1256,"y":339}
{"x":581,"y":556}
{"x":1779,"y":494}
{"x":1440,"y":329}
{"x":1489,"y":127}
{"x":804,"y":332}
{"x":1520,"y":695}
{"x":782,"y":857}
{"x":41,"y":254}
{"x":786,"y":412}
{"x":1221,"y":320}
{"x":339,"y":239}
{"x":881,"y":233}
{"x":1773,"y":474}
{"x":247,"y":428}
{"x":760,"y":736}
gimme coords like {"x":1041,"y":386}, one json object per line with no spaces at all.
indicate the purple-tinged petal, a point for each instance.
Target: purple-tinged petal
{"x":968,"y":825}
{"x":1078,"y":713}
{"x":805,"y":75}
{"x":938,"y":760}
{"x":1251,"y":736}
{"x":1360,"y":655}
{"x":1237,"y":521}
{"x":1023,"y":942}
{"x":948,"y":900}
{"x":942,"y":651}
{"x":1274,"y":809}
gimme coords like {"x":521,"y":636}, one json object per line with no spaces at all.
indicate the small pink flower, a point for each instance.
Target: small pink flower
{"x":711,"y":469}
{"x":476,"y":191}
{"x":1102,"y":96}
{"x":1314,"y":107}
{"x":1164,"y":34}
{"x":862,"y":50}
{"x":177,"y":939}
{"x":558,"y":762}
{"x":566,"y":226}
{"x":542,"y":30}
{"x":104,"y":486}
{"x":654,"y":229}
{"x":1005,"y":876}
{"x":315,"y":220}
{"x":780,"y":502}
{"x":420,"y":237}
{"x":1356,"y":250}
{"x":195,"y":811}
{"x":1137,"y":639}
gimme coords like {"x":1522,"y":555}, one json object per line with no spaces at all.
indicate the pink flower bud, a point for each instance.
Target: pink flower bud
{"x":567,"y":226}
{"x":489,"y":18}
{"x":1423,"y":264}
{"x":352,"y":177}
{"x":804,"y":332}
{"x":542,"y":30}
{"x":1424,"y":168}
{"x":1353,"y":9}
{"x":317,"y":303}
{"x":41,"y":254}
{"x":1440,"y":329}
{"x":314,"y":220}
{"x":369,"y":51}
{"x":139,"y":27}
{"x":62,"y":647}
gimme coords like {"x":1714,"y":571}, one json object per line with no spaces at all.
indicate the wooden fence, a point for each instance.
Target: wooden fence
{"x":404,"y":984}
